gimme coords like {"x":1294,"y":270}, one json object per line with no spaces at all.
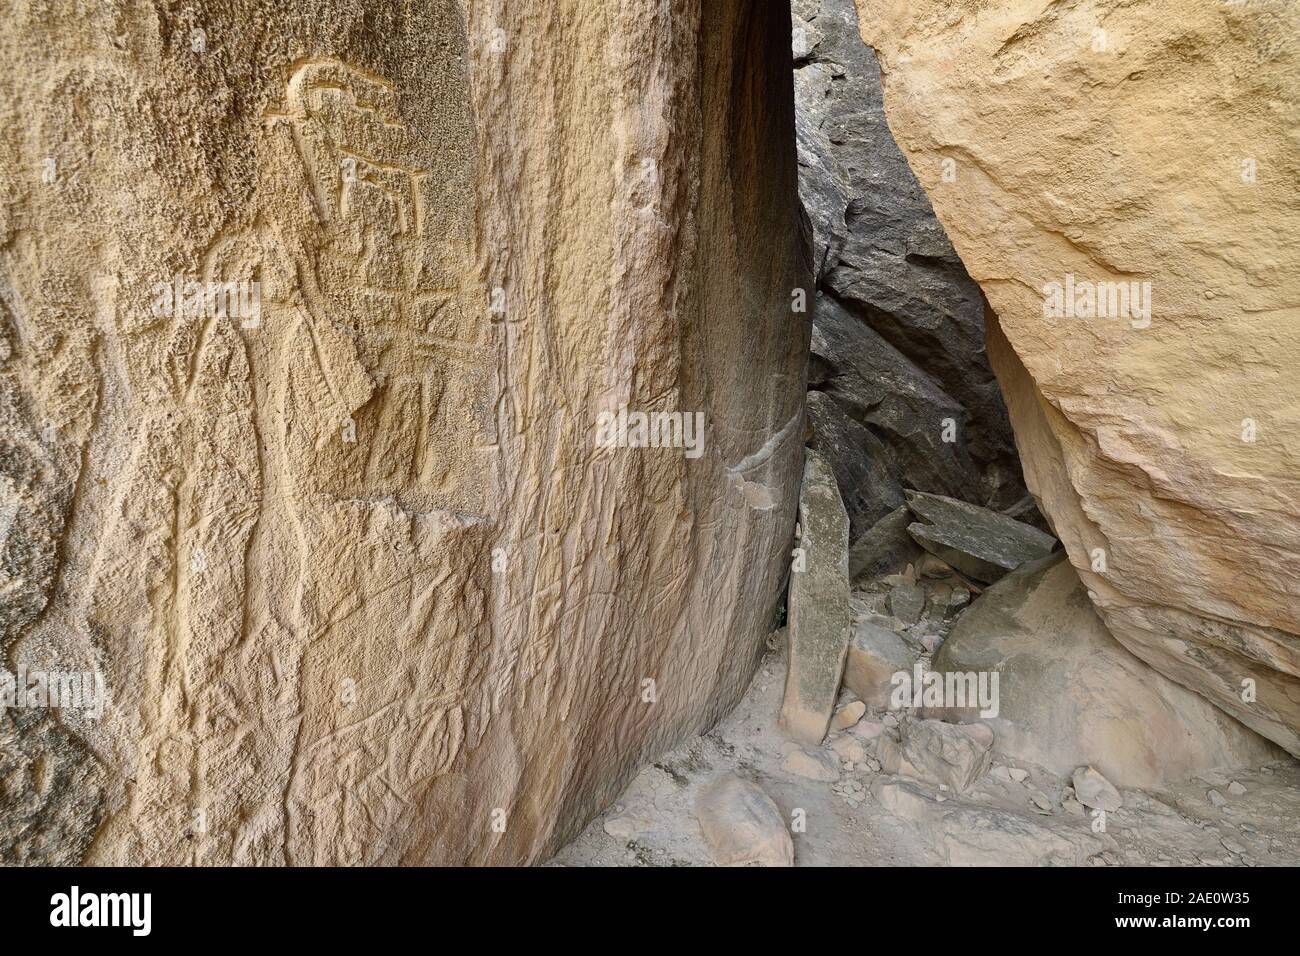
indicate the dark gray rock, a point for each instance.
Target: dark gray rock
{"x":907,"y":602}
{"x":979,"y":543}
{"x":884,"y":547}
{"x":862,"y":466}
{"x":1026,"y":510}
{"x":896,"y":401}
{"x":898,"y":324}
{"x":822,"y":185}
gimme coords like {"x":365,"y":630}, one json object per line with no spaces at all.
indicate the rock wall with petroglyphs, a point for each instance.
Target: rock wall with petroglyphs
{"x":361,"y":585}
{"x":1064,"y":144}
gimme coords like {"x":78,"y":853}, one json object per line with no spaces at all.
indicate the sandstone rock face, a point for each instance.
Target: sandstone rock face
{"x":901,"y":393}
{"x":1107,"y":142}
{"x":362,"y":586}
{"x":1069,"y":694}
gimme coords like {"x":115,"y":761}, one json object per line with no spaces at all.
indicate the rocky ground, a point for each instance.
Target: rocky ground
{"x":858,"y":816}
{"x":841,"y":806}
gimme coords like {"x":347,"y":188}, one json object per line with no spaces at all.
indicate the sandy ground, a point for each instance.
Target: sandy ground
{"x":654,"y":824}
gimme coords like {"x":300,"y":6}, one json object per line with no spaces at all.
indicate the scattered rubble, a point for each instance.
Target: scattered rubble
{"x":854,"y":821}
{"x":852,"y":774}
{"x":966,"y":833}
{"x":949,"y":755}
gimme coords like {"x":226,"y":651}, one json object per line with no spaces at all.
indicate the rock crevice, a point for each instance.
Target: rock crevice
{"x":1132,"y":235}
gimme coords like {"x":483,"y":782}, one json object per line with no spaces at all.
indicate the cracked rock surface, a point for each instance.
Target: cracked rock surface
{"x":357,"y":576}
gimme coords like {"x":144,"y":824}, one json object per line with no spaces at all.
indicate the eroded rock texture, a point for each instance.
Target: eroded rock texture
{"x":1071,"y":696}
{"x":1137,"y":143}
{"x":362,"y":587}
{"x":819,"y":615}
{"x":901,"y":393}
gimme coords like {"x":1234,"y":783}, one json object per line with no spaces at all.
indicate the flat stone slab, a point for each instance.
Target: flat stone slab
{"x":979,"y":543}
{"x":818,"y":614}
{"x":885,"y":546}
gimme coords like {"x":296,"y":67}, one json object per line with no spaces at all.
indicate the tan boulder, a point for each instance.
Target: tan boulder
{"x":954,"y":755}
{"x":742,"y":825}
{"x":1120,"y":180}
{"x":1069,"y":695}
{"x":875,"y":655}
{"x":848,"y":715}
{"x":363,"y":584}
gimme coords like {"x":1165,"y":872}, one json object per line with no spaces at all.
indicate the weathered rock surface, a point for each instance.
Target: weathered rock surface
{"x":898,"y":325}
{"x":811,"y":765}
{"x":875,"y":655}
{"x":818,"y":629}
{"x":1071,"y":695}
{"x":848,"y":715}
{"x":884,"y":546}
{"x":362,"y":586}
{"x":742,"y":825}
{"x":1093,"y":790}
{"x":955,"y":755}
{"x":907,"y":602}
{"x":859,"y":461}
{"x":1162,"y":441}
{"x":49,"y":787}
{"x":979,"y":543}
{"x":969,"y":834}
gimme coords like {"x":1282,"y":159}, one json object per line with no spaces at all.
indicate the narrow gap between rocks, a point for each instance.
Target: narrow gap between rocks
{"x":982,"y":714}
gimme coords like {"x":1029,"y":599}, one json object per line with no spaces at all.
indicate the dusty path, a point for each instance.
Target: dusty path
{"x":654,"y":824}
